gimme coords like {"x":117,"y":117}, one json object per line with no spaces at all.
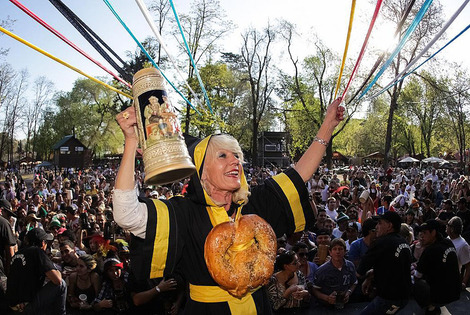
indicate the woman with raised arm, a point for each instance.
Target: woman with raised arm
{"x":169,"y":236}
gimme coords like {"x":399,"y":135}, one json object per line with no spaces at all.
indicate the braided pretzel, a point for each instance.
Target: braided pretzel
{"x":240,"y":255}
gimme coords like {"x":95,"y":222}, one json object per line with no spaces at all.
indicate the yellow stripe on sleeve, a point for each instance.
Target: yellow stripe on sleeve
{"x":160,"y":246}
{"x":293,"y":197}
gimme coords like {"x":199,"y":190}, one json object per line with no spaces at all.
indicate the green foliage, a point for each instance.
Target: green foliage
{"x":88,"y":111}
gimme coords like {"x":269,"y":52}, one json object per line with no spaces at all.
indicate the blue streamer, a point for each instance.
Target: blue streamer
{"x":408,"y":33}
{"x":147,"y":54}
{"x":429,"y":58}
{"x":191,"y":56}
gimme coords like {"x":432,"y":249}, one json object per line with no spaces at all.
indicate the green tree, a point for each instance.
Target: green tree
{"x":203,"y":27}
{"x":429,"y":25}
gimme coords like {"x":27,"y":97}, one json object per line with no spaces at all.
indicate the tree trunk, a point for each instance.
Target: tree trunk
{"x":329,"y":154}
{"x":388,"y":137}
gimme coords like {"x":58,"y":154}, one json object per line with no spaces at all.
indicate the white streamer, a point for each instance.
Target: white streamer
{"x":425,"y":49}
{"x":149,"y":19}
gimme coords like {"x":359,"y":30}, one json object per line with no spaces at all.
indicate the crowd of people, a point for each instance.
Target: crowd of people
{"x":379,"y":236}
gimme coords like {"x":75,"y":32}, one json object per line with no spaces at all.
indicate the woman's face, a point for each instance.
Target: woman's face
{"x":81,"y":268}
{"x":294,"y":265}
{"x":114,"y":272}
{"x":223,"y":171}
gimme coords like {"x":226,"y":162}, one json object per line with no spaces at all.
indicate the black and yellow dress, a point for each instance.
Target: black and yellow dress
{"x":177,"y":229}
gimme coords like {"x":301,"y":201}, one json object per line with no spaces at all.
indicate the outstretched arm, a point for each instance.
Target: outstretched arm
{"x":128,"y":212}
{"x":125,"y":176}
{"x":308,"y":163}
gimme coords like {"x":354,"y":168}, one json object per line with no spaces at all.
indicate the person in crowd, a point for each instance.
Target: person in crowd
{"x":463,"y":213}
{"x":307,"y":267}
{"x":30,"y":266}
{"x":359,"y":247}
{"x":342,"y":220}
{"x":351,"y":234}
{"x":69,"y":258}
{"x":432,"y":176}
{"x":329,"y":226}
{"x":323,"y":240}
{"x":410,"y":219}
{"x":428,"y":191}
{"x":387,"y":262}
{"x":156,"y":296}
{"x":440,"y":195}
{"x":83,"y":284}
{"x":454,"y":231}
{"x":114,"y":297}
{"x":407,"y":233}
{"x":386,"y":205}
{"x":445,"y":214}
{"x":215,"y":193}
{"x":7,"y":240}
{"x":287,"y":288}
{"x":429,"y":213}
{"x":437,"y":277}
{"x":331,"y":208}
{"x":336,"y":279}
{"x":321,"y":219}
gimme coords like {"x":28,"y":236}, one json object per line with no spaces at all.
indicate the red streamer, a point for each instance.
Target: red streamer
{"x":364,"y":45}
{"x":62,"y":37}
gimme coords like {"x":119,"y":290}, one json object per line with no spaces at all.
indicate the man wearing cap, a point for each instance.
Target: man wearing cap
{"x":446,"y":214}
{"x":388,"y":263}
{"x":437,"y":272}
{"x":342,"y":221}
{"x":29,"y":268}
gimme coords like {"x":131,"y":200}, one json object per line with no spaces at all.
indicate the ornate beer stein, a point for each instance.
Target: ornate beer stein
{"x":166,"y":158}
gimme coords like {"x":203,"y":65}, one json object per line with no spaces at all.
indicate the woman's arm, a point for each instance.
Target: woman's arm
{"x":308,"y":163}
{"x":128,"y":212}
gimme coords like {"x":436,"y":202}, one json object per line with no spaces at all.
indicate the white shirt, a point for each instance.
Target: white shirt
{"x":331,"y":213}
{"x":128,"y":212}
{"x":463,"y":250}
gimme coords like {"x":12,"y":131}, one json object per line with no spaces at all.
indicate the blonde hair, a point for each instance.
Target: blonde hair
{"x":89,"y":261}
{"x":228,"y":142}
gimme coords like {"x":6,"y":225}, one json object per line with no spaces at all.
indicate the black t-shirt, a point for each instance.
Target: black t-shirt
{"x":27,"y":274}
{"x":440,"y":269}
{"x":465,"y":216}
{"x":390,"y":257}
{"x":6,"y":239}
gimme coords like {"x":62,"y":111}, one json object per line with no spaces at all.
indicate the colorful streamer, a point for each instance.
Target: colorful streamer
{"x":63,"y":38}
{"x":364,"y":45}
{"x":191,"y":56}
{"x":382,"y":56}
{"x":425,"y":49}
{"x":149,"y":19}
{"x":147,"y":54}
{"x":429,"y":58}
{"x":405,"y":37}
{"x":345,"y":53}
{"x":62,"y":62}
{"x":91,"y":37}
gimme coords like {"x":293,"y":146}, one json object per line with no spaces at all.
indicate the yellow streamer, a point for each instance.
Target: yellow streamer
{"x":62,"y":62}
{"x":351,"y":18}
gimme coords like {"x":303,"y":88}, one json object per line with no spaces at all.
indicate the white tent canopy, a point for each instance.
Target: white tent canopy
{"x":408,"y":159}
{"x":433,"y":159}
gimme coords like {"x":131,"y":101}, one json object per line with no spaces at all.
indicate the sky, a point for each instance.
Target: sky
{"x":328,"y":19}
